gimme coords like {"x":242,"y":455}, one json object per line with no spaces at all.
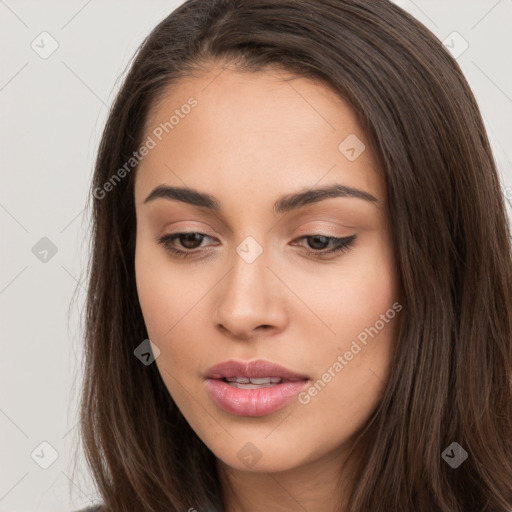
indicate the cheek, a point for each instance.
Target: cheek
{"x":351,"y":370}
{"x":162,"y":296}
{"x":355,"y":300}
{"x":368,"y":293}
{"x":151,"y":290}
{"x":348,"y":295}
{"x":171,"y":306}
{"x":164,"y":290}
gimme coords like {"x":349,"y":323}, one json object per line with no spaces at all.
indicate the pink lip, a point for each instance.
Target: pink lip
{"x":253,"y":402}
{"x":256,"y":368}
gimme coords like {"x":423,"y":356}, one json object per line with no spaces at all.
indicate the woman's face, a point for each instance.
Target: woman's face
{"x":258,"y":281}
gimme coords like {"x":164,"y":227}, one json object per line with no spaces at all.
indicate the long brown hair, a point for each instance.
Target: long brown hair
{"x":451,"y":377}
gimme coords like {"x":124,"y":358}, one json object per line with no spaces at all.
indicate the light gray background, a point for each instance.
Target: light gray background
{"x":52,"y":112}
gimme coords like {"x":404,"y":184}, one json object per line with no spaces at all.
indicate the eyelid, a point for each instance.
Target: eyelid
{"x":320,"y":231}
{"x":189,"y":226}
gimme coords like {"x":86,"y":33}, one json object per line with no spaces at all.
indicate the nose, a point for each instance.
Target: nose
{"x":252,"y":300}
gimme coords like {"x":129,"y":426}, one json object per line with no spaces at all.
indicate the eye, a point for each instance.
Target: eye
{"x":190,"y":244}
{"x":190,"y":241}
{"x":317,"y":244}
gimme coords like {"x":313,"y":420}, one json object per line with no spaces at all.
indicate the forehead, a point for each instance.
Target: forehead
{"x":248,"y":129}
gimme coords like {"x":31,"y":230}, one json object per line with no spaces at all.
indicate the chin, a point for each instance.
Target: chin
{"x":260,"y":455}
{"x":270,"y":465}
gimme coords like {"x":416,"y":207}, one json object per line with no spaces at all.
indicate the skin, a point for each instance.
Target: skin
{"x":252,"y":138}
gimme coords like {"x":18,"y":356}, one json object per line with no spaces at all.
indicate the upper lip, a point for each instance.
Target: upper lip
{"x":258,"y":368}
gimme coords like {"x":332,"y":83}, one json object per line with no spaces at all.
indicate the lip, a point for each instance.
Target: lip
{"x":256,"y":368}
{"x":253,"y":402}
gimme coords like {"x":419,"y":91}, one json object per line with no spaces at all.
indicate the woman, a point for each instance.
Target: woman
{"x":301,"y":288}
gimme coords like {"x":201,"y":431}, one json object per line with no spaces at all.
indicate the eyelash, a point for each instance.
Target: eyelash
{"x":343,"y":244}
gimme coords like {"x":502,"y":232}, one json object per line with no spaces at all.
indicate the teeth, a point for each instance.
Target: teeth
{"x":263,"y":380}
{"x":240,"y":380}
{"x":258,"y":382}
{"x":250,"y":386}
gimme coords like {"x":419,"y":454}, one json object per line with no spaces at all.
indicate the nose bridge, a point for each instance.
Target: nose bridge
{"x":247,"y":286}
{"x":248,"y":299}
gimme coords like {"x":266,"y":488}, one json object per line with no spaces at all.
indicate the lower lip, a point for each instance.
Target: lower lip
{"x":253,"y":402}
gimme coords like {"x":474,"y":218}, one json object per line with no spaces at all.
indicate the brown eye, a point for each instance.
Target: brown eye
{"x":190,"y":240}
{"x":189,"y":243}
{"x":318,"y":241}
{"x":316,"y":244}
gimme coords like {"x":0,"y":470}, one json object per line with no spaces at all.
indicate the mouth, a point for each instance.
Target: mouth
{"x":257,"y":372}
{"x":254,"y":383}
{"x":254,"y":388}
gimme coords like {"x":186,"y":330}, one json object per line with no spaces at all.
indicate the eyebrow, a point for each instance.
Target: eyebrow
{"x":284,"y":204}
